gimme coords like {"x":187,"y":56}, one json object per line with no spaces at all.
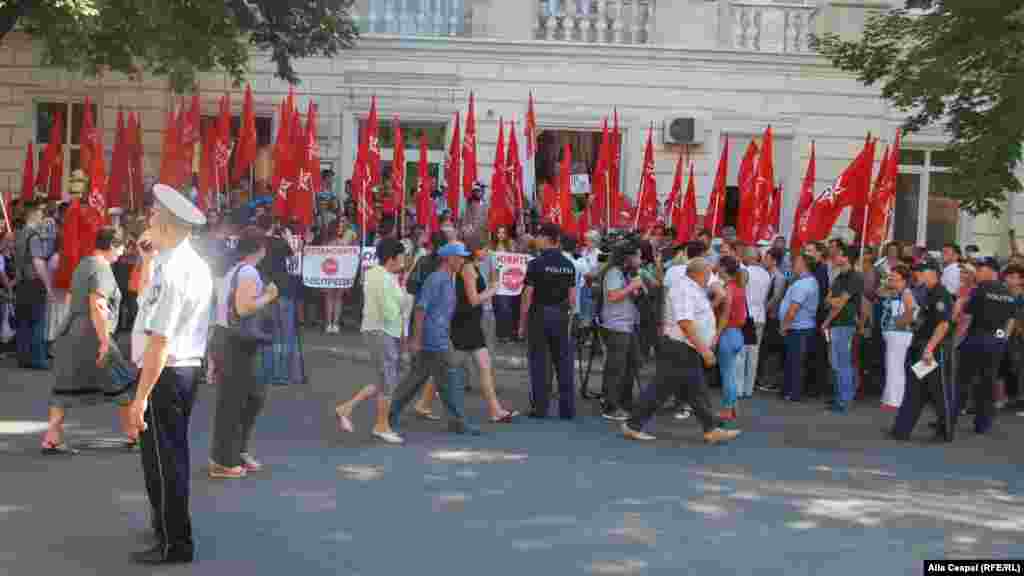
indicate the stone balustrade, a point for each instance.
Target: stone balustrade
{"x":595,"y":21}
{"x":772,"y":27}
{"x":415,"y":17}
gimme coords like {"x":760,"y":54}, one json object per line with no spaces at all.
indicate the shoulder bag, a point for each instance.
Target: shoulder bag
{"x":251,"y":329}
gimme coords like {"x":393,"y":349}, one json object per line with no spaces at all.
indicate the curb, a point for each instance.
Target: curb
{"x":501,"y":362}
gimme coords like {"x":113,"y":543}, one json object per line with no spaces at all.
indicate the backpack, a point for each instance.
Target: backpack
{"x":424,"y":267}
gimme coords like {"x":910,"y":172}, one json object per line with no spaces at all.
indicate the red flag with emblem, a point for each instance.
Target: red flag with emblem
{"x":70,"y":252}
{"x":801,"y":221}
{"x":499,"y":212}
{"x":135,"y":160}
{"x":851,"y":185}
{"x":91,"y":146}
{"x":451,"y":175}
{"x":307,"y":184}
{"x":28,"y":174}
{"x":674,"y":203}
{"x":373,"y":143}
{"x":746,"y":225}
{"x":714,"y":216}
{"x":246,"y":147}
{"x":469,"y":174}
{"x":530,"y":132}
{"x":565,"y":193}
{"x":222,"y":146}
{"x":119,"y":165}
{"x":602,"y":187}
{"x":764,"y":187}
{"x":686,"y":222}
{"x":859,"y":213}
{"x":398,"y":171}
{"x":426,"y":215}
{"x":361,"y":185}
{"x":282,"y":181}
{"x":647,"y":203}
{"x":189,"y":139}
{"x":880,"y":214}
{"x":771,"y":226}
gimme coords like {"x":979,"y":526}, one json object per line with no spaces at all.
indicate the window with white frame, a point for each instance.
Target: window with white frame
{"x":925,"y":212}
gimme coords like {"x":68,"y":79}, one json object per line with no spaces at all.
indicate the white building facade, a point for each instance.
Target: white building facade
{"x":733,"y":66}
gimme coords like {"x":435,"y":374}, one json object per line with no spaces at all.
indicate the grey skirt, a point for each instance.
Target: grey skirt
{"x":78,"y":380}
{"x":385,"y":354}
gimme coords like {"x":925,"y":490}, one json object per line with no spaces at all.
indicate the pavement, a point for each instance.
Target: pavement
{"x":801,"y":492}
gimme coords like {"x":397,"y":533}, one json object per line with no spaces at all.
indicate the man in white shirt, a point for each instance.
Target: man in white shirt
{"x":684,"y":353}
{"x":951,"y":269}
{"x":759,"y":284}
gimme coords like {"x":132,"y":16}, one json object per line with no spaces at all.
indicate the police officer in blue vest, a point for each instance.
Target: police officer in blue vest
{"x":991,"y":310}
{"x":168,"y":344}
{"x":545,"y":318}
{"x":931,"y":327}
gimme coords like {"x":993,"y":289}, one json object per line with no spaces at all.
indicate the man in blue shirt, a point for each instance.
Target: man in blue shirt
{"x":797,"y":312}
{"x":435,"y":307}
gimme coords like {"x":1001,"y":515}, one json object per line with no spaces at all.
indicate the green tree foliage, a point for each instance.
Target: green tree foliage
{"x":958,"y":64}
{"x":181,"y":38}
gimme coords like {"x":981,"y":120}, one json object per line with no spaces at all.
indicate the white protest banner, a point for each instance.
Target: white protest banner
{"x":294,"y":262}
{"x":330,"y":266}
{"x":511,"y":269}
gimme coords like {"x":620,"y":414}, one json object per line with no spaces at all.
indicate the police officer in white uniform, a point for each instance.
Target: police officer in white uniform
{"x":168,"y":344}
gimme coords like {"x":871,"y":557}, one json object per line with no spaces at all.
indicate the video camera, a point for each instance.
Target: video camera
{"x":617,"y":244}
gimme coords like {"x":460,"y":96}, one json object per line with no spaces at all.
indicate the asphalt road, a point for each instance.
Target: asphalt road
{"x":801,"y":492}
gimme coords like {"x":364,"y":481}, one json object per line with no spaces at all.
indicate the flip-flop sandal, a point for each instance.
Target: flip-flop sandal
{"x":344,"y":423}
{"x":507,"y":418}
{"x":58,"y":450}
{"x":428,"y":416}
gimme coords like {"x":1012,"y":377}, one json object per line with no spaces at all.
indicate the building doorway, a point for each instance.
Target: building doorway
{"x":585,"y":146}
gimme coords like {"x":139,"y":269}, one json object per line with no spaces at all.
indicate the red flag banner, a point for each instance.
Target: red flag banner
{"x":469,"y":174}
{"x":675,"y":197}
{"x":748,"y":208}
{"x":601,"y":182}
{"x":135,"y":151}
{"x":499,"y":212}
{"x":398,"y":170}
{"x":281,"y":181}
{"x":514,"y":175}
{"x":119,"y":165}
{"x":530,"y":132}
{"x":851,"y":185}
{"x":880,"y":209}
{"x":246,"y":147}
{"x":618,"y":204}
{"x":51,"y":169}
{"x":801,"y":222}
{"x":860,"y":205}
{"x":426,"y":215}
{"x":451,"y":180}
{"x":714,"y":216}
{"x":764,"y":187}
{"x":568,"y":219}
{"x":686,"y":222}
{"x":647,"y":203}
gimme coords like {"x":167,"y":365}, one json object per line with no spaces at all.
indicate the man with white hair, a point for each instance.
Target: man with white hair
{"x":685,"y":351}
{"x":759,"y":284}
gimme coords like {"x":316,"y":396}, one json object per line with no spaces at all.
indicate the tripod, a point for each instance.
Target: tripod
{"x":587,"y":334}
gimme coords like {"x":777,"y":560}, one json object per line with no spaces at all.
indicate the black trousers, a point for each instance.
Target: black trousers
{"x":980,"y":358}
{"x":621,"y":368}
{"x":932,"y":388}
{"x":165,"y":456}
{"x":551,"y":342}
{"x":679,"y":370}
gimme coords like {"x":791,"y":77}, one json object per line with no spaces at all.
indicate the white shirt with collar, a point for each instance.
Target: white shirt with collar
{"x":759,"y":284}
{"x":951,"y":278}
{"x":686,"y":300}
{"x":176,"y":305}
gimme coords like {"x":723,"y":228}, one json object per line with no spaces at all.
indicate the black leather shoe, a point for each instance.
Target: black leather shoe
{"x":155,"y":556}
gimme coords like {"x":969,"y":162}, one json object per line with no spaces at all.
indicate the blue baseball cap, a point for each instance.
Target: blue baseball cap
{"x":454,"y":249}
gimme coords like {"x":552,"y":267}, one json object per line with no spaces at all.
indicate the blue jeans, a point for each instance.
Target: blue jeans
{"x":797,"y":343}
{"x":842,"y":365}
{"x":282,"y":360}
{"x":30,"y":337}
{"x":730,"y":344}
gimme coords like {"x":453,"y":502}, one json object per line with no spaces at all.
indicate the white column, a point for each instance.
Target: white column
{"x":602,"y":21}
{"x":456,"y":17}
{"x":551,"y":22}
{"x":637,"y":27}
{"x":617,"y":23}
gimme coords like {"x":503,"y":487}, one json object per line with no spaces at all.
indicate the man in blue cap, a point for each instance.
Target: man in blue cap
{"x":435,"y":307}
{"x":168,"y":344}
{"x":991,"y":309}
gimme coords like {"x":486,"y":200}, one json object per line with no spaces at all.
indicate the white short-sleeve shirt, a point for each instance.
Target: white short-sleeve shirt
{"x":759,"y":284}
{"x":176,"y":305}
{"x":686,"y":300}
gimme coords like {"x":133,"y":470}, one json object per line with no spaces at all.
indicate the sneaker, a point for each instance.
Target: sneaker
{"x":636,"y":434}
{"x":683,"y":414}
{"x":249,"y":463}
{"x":767,"y":388}
{"x":389,"y":437}
{"x":719,"y":435}
{"x":729,"y":425}
{"x":224,"y":473}
{"x":618,"y":415}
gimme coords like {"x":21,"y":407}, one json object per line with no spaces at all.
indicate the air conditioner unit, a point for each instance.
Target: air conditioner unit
{"x":684,"y":131}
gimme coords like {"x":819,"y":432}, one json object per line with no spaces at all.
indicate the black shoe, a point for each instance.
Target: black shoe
{"x":941,"y":438}
{"x":156,"y":555}
{"x":536,"y":415}
{"x":934,"y":425}
{"x":891,"y":435}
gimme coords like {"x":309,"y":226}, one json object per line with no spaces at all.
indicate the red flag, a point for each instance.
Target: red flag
{"x":307,"y":186}
{"x":135,"y":160}
{"x":169,"y":151}
{"x":530,"y":132}
{"x":426,"y":216}
{"x":469,"y":151}
{"x":119,"y":170}
{"x":451,"y":176}
{"x":601,"y":190}
{"x":86,"y":137}
{"x":514,"y":175}
{"x":686,"y":223}
{"x":801,"y":222}
{"x":70,"y":251}
{"x":499,"y":212}
{"x":880,"y":212}
{"x":772,"y":225}
{"x":647,"y":203}
{"x":362,"y":187}
{"x":51,"y":170}
{"x":568,"y":219}
{"x":674,"y":203}
{"x":207,"y":169}
{"x":373,"y":140}
{"x":189,"y":139}
{"x":398,"y":171}
{"x":618,"y":203}
{"x":246,"y":151}
{"x":764,"y":187}
{"x":222,"y":146}
{"x":298,"y":160}
{"x":851,"y":185}
{"x":749,"y":208}
{"x":27,"y":174}
{"x":714,"y":216}
{"x":281,"y":181}
{"x":551,"y":205}
{"x":91,"y":146}
{"x":860,"y":205}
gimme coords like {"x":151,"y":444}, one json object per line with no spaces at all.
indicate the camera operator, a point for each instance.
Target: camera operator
{"x":621,"y":289}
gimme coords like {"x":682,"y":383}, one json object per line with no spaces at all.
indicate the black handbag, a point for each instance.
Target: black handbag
{"x":749,"y":332}
{"x":252,"y":329}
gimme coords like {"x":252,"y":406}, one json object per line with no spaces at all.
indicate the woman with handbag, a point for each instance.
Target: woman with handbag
{"x":731,"y":341}
{"x":89,"y":366}
{"x":242,"y":330}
